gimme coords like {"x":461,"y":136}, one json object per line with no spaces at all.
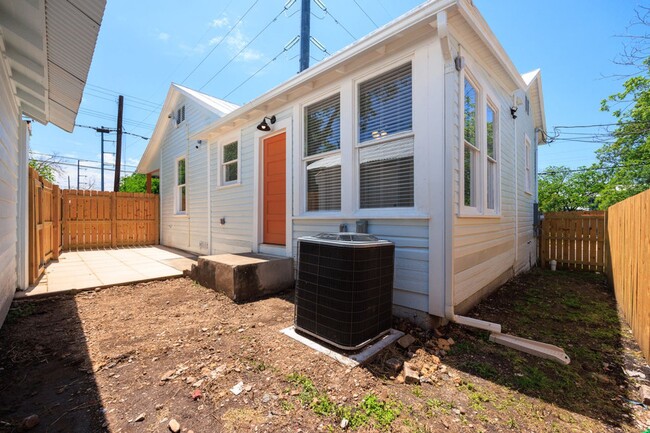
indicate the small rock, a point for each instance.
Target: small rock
{"x":445,"y":424}
{"x":645,"y":394}
{"x":174,"y":426}
{"x":238,"y":388}
{"x":443,"y":344}
{"x":451,"y":341}
{"x":190,"y":379}
{"x":248,"y":388}
{"x":139,"y":418}
{"x":196,"y":394}
{"x":266,"y":398}
{"x":159,"y":406}
{"x":344,"y":423}
{"x":198,"y":383}
{"x":456,"y":411}
{"x":411,"y":374}
{"x":394,"y":365}
{"x":30,"y":422}
{"x":633,"y":373}
{"x":168,"y":375}
{"x":406,"y":341}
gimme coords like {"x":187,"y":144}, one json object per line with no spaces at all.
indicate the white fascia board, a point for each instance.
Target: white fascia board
{"x":422,"y":14}
{"x":476,"y":21}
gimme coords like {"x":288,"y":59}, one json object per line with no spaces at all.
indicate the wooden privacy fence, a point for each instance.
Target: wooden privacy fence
{"x":94,"y":219}
{"x":44,"y":224}
{"x":628,"y":263}
{"x":576,"y":240}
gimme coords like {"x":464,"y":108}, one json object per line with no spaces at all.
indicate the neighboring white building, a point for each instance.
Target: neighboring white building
{"x":46,"y":47}
{"x":411,"y":129}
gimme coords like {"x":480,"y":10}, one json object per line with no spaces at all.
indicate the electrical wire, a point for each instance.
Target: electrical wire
{"x":245,"y":47}
{"x":221,"y":40}
{"x":321,"y":5}
{"x":256,"y":72}
{"x":577,"y":170}
{"x":366,"y":14}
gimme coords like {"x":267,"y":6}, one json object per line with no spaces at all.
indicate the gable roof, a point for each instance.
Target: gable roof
{"x":150,"y":160}
{"x":48,"y":46}
{"x":463,"y":16}
{"x":533,"y":80}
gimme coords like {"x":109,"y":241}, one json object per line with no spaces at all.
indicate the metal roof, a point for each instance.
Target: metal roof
{"x":48,"y":45}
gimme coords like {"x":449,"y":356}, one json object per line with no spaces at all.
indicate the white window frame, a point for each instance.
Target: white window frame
{"x":496,"y":160}
{"x":528,"y":175}
{"x":304,"y":159}
{"x":359,"y":145}
{"x":222,"y":164}
{"x":177,"y":188}
{"x":484,"y":97}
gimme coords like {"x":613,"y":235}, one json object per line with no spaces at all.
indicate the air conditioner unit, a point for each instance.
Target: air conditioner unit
{"x":344,"y":292}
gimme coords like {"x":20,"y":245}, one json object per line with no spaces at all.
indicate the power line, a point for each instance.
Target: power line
{"x":321,"y":5}
{"x":107,"y":91}
{"x":577,"y":170}
{"x":286,"y":48}
{"x":366,"y":14}
{"x":285,"y":8}
{"x":220,"y":41}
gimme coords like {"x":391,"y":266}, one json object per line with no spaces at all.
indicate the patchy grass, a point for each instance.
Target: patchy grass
{"x":20,"y":310}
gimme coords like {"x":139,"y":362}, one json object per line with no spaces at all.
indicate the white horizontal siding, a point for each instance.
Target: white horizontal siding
{"x":188,"y":232}
{"x":484,"y":248}
{"x":411,"y":239}
{"x":9,"y":142}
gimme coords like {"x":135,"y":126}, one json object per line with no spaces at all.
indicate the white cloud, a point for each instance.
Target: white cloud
{"x":220,"y":22}
{"x":235,"y":42}
{"x":163,"y":36}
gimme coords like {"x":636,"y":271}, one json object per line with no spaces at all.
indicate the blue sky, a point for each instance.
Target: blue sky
{"x":145,"y":45}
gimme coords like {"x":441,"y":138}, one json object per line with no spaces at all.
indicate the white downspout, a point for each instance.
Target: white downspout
{"x":516,"y":170}
{"x":207,"y":145}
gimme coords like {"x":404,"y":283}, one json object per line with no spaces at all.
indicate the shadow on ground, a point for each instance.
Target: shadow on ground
{"x":45,"y":369}
{"x":576,"y":311}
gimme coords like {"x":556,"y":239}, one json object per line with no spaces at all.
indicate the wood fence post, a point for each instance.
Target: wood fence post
{"x":56,"y":222}
{"x":114,"y":220}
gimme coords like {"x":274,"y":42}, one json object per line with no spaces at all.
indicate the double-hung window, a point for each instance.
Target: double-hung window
{"x":385,"y":140}
{"x":322,"y":154}
{"x":230,"y":163}
{"x":472,"y":150}
{"x":480,"y":162}
{"x":181,"y":199}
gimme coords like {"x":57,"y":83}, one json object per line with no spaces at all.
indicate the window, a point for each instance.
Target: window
{"x":528,"y":171}
{"x":386,"y":158}
{"x":322,"y":154}
{"x":471,"y":152}
{"x":480,"y":162}
{"x":180,"y":115}
{"x":181,"y":199}
{"x":230,"y":163}
{"x":492,"y":169}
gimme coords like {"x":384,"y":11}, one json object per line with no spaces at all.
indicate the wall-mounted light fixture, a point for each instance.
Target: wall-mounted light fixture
{"x":513,"y":111}
{"x":263,"y":126}
{"x":459,"y":63}
{"x":198,"y":143}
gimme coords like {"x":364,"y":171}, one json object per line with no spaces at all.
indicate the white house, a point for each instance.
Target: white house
{"x":46,"y":47}
{"x":423,"y":129}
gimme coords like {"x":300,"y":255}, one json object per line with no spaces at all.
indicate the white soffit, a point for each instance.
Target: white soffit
{"x":49,"y":45}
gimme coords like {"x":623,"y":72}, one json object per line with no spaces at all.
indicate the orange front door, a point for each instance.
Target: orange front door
{"x":275,"y":197}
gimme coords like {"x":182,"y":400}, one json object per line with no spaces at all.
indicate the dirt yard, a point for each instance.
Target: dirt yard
{"x":134,"y":358}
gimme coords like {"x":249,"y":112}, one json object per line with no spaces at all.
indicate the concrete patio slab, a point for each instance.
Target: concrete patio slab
{"x":83,"y":270}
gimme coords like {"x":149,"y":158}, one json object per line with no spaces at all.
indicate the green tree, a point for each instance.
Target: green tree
{"x":563,"y":189}
{"x":47,"y":166}
{"x":629,"y":154}
{"x":137,"y":182}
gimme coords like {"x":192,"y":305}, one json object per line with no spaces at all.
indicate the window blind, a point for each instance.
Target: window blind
{"x":386,"y":174}
{"x":385,"y":104}
{"x":323,"y":187}
{"x":323,"y":126}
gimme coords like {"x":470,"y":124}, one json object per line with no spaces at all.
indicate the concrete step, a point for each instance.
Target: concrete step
{"x":244,"y":277}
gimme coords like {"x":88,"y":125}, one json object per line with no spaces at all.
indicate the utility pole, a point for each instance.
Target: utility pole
{"x":103,"y":131}
{"x":305,"y":18}
{"x":118,"y":146}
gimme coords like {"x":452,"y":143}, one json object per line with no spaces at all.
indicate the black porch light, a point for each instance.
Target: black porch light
{"x":263,"y":126}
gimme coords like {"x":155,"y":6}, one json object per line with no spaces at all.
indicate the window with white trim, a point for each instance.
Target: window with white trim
{"x":181,"y":196}
{"x":322,"y":154}
{"x":180,"y":115}
{"x":528,"y":170}
{"x":472,"y":150}
{"x":385,"y":140}
{"x":480,"y":163}
{"x":491,"y":119}
{"x":230,"y":163}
